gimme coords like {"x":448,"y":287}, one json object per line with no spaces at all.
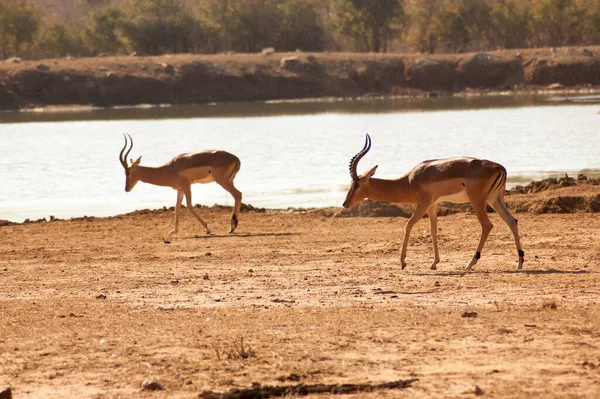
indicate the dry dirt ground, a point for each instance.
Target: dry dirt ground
{"x":92,"y":308}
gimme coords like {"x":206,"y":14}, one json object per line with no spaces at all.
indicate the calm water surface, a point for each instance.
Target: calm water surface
{"x":293,"y":154}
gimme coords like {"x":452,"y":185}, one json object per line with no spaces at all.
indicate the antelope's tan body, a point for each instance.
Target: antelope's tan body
{"x":459,"y":180}
{"x":184,"y":170}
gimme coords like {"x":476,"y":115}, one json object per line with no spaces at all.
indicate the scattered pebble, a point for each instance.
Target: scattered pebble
{"x":205,"y":277}
{"x":6,"y":393}
{"x":478,"y":391}
{"x":469,"y":314}
{"x":151,"y":385}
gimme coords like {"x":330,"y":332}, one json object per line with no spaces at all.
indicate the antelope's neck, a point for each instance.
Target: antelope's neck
{"x":158,"y":176}
{"x":395,"y":191}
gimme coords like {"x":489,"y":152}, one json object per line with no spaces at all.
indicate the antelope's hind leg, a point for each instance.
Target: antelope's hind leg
{"x":486,"y":227}
{"x":237,"y":197}
{"x":511,"y":221}
{"x":432,"y":213}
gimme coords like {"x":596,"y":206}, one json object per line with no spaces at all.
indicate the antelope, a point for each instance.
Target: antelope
{"x":457,"y":180}
{"x":183,"y":171}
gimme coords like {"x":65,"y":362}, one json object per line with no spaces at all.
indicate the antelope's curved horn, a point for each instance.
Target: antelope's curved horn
{"x":355,"y":159}
{"x":123,"y":159}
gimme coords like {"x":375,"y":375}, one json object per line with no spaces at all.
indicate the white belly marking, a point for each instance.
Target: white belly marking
{"x":458,"y":198}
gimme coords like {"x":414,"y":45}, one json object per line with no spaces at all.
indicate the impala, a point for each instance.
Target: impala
{"x":184,"y":170}
{"x":457,"y":180}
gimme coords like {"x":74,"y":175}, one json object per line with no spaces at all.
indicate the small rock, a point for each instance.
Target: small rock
{"x":6,"y":393}
{"x":437,"y":284}
{"x":42,"y":67}
{"x":208,"y":254}
{"x":250,"y":271}
{"x":217,"y":299}
{"x":478,"y":391}
{"x":205,"y":277}
{"x":469,"y":314}
{"x":151,"y":385}
{"x":101,"y":296}
{"x":289,"y":62}
{"x":168,"y":68}
{"x":13,"y":59}
{"x":268,"y":50}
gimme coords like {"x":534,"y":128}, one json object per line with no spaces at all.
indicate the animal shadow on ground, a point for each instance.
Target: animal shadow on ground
{"x":533,"y":272}
{"x":547,"y":271}
{"x":238,"y":235}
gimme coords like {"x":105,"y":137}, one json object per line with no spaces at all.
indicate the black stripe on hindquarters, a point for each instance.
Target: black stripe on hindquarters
{"x":495,"y":184}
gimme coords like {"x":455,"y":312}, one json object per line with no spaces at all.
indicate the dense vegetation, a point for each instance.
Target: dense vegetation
{"x":56,"y":28}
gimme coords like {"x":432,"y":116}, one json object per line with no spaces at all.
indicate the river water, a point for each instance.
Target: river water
{"x":65,"y":164}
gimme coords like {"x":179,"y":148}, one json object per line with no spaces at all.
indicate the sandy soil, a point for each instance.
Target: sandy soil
{"x":92,"y":308}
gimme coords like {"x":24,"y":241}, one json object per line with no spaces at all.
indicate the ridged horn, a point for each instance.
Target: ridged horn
{"x":355,"y":159}
{"x":123,"y":159}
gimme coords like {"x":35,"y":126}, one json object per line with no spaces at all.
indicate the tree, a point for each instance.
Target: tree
{"x":103,"y":31}
{"x":301,"y":27}
{"x":378,"y":16}
{"x":61,"y":40}
{"x":19,"y":23}
{"x":254,"y":24}
{"x":423,"y":30}
{"x":368,"y":22}
{"x":158,"y":26}
{"x":558,"y":22}
{"x":510,"y":24}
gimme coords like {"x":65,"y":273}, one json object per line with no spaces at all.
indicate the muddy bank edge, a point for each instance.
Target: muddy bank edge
{"x":196,"y":79}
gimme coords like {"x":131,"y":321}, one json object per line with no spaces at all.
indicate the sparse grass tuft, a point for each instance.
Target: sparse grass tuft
{"x":237,"y":350}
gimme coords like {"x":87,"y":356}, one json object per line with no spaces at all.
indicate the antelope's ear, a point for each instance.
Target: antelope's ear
{"x":136,"y":162}
{"x":371,"y":172}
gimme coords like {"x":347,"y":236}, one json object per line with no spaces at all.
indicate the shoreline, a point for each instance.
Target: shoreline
{"x":567,"y":194}
{"x":219,"y":78}
{"x":563,"y":95}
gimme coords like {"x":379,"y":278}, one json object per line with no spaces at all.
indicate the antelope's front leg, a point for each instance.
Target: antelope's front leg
{"x":177,"y":209}
{"x":419,"y":213}
{"x":188,"y":199}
